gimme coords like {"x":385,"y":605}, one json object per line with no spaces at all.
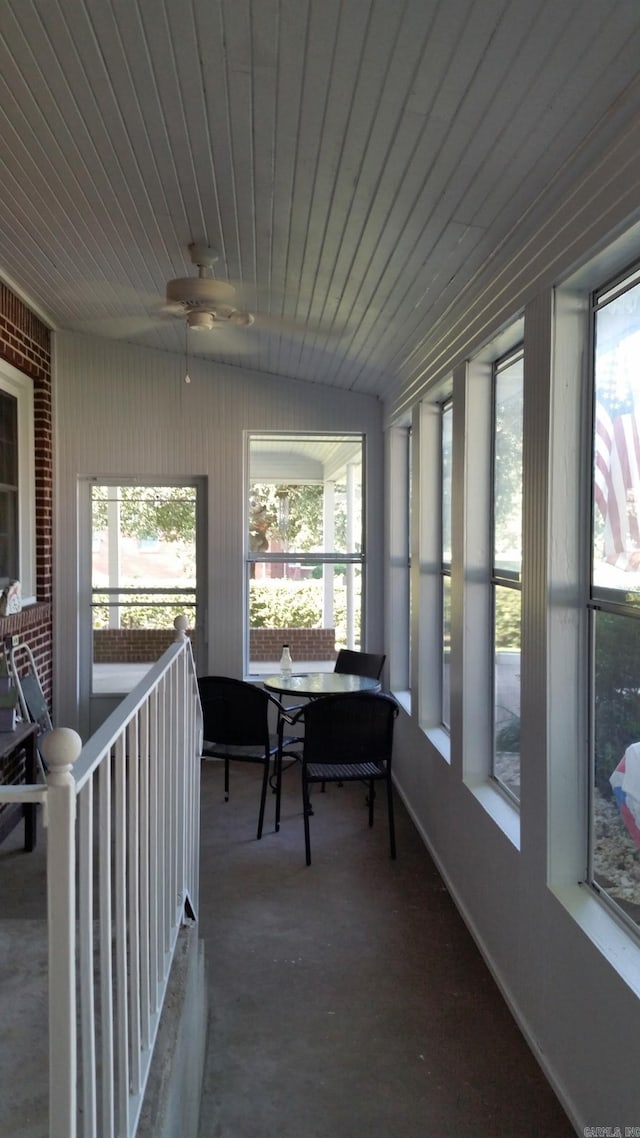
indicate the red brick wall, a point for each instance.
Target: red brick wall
{"x":25,"y":342}
{"x":132,"y":645}
{"x":304,"y":643}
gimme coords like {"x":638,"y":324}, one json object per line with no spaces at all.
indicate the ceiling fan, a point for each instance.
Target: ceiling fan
{"x":206,"y":303}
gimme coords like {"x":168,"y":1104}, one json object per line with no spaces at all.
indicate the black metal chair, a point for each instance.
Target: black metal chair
{"x":348,"y":738}
{"x":349,"y":662}
{"x":236,"y":729}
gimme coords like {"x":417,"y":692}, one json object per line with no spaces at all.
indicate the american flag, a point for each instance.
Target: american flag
{"x":616,"y":460}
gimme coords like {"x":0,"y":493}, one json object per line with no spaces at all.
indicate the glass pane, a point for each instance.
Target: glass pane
{"x":507,"y":469}
{"x":8,"y":535}
{"x":616,"y":489}
{"x":615,"y":835}
{"x":506,"y":761}
{"x":8,"y":440}
{"x":143,"y":576}
{"x":446,"y":651}
{"x":315,"y":609}
{"x":447,"y":453}
{"x":305,"y":494}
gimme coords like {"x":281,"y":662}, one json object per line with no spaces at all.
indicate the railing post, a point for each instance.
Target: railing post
{"x":61,"y":748}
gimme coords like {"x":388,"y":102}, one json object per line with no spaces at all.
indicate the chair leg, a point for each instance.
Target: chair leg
{"x":372,"y":796}
{"x":392,"y":828}
{"x":226,"y":780}
{"x":306,"y":811}
{"x":278,"y":772}
{"x":263,"y":798}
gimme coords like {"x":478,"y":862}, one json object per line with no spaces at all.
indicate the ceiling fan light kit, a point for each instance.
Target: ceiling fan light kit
{"x":200,"y":321}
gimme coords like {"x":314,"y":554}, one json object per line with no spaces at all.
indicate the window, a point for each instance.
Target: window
{"x":17,"y":496}
{"x":614,"y":601}
{"x":305,"y":548}
{"x":8,"y":487}
{"x":446,"y":454}
{"x":506,"y":568}
{"x":143,"y":575}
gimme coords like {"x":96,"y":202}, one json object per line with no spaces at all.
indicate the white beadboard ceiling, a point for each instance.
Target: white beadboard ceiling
{"x":355,"y":162}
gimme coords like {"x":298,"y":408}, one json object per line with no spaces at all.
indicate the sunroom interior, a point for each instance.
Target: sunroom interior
{"x":525,"y":236}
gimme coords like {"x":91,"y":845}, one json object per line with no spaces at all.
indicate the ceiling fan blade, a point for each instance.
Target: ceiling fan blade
{"x":296,"y":328}
{"x":114,"y":327}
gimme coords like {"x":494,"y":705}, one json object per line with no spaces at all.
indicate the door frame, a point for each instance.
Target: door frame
{"x":93,"y":709}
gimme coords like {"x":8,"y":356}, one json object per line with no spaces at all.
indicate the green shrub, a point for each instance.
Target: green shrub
{"x":278,"y":603}
{"x":508,"y":620}
{"x":141,"y":615}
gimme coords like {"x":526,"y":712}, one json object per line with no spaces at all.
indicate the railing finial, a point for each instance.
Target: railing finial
{"x":181,"y":625}
{"x":60,"y":749}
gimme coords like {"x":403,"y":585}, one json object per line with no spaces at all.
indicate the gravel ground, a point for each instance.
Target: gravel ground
{"x":616,"y":857}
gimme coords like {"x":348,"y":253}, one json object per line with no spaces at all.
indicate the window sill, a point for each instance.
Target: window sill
{"x":404,"y":699}
{"x":503,"y":812}
{"x":441,"y":740}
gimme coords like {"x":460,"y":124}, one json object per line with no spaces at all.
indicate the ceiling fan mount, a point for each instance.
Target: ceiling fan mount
{"x":206,"y":303}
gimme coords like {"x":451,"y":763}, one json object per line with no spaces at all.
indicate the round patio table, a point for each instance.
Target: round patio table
{"x":315,"y":684}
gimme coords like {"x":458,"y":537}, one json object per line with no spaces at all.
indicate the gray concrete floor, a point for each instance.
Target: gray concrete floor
{"x":348,"y":999}
{"x":24,"y":1043}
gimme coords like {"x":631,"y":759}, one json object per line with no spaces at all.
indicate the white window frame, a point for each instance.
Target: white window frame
{"x":500,"y":579}
{"x":398,"y":590}
{"x":20,"y":386}
{"x":446,"y":407}
{"x":357,"y":559}
{"x":426,"y":560}
{"x":473,"y":724}
{"x":568,"y":768}
{"x":600,"y":599}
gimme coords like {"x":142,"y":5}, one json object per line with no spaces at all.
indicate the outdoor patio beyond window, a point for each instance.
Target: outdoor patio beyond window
{"x":304,"y":549}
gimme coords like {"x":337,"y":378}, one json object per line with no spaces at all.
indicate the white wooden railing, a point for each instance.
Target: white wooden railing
{"x":122,"y":815}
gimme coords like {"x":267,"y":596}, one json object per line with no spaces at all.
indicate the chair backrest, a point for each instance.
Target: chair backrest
{"x":234,"y":712}
{"x":360,"y":663}
{"x":35,"y":702}
{"x":352,"y":728}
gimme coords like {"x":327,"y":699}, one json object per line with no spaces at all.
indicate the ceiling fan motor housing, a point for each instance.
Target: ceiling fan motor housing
{"x":200,"y":292}
{"x":206,"y":302}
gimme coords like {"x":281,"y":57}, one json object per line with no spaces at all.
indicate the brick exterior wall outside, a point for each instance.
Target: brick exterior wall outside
{"x":25,"y":342}
{"x":132,"y":645}
{"x":143,"y":645}
{"x":304,"y":643}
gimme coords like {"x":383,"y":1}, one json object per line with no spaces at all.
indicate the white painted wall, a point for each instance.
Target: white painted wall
{"x":570,"y":973}
{"x":122,"y":410}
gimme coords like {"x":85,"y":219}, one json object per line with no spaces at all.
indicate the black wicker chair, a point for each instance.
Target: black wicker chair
{"x":348,"y":738}
{"x":359,"y":663}
{"x":236,"y":729}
